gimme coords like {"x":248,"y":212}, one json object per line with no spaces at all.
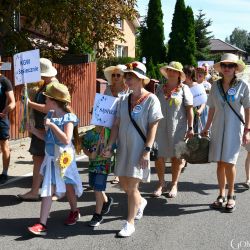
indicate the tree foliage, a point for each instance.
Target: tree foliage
{"x":81,"y":24}
{"x":182,"y":46}
{"x":239,"y":38}
{"x":152,"y":34}
{"x":202,"y":36}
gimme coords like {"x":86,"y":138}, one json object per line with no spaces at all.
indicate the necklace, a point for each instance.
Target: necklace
{"x":168,"y":93}
{"x":139,"y":101}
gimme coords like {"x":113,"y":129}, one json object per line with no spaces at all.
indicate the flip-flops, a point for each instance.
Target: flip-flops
{"x":22,"y":197}
{"x":246,"y":184}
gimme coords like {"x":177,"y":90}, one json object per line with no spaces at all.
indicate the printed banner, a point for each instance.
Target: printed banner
{"x":27,"y":67}
{"x":199,"y":95}
{"x":104,"y":110}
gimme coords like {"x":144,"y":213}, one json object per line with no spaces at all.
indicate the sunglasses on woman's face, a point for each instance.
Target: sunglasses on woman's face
{"x":228,"y":65}
{"x":116,"y":75}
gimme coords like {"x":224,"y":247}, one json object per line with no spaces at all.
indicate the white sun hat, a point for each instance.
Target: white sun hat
{"x":47,"y":69}
{"x":111,"y":69}
{"x":138,"y":69}
{"x":177,"y":66}
{"x":229,"y":58}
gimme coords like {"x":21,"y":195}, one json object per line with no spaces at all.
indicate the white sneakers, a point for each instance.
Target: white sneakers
{"x":127,"y":230}
{"x":141,"y":209}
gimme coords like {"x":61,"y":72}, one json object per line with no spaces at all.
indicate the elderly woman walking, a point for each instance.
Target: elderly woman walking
{"x":133,"y":164}
{"x":227,"y":97}
{"x":177,"y":106}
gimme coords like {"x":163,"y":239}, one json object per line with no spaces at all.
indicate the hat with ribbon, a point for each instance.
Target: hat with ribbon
{"x":177,"y":66}
{"x":229,"y":58}
{"x":58,"y":91}
{"x":47,"y":68}
{"x":138,"y":69}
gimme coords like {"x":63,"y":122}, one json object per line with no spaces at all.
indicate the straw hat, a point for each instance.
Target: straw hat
{"x":58,"y":91}
{"x":177,"y":66}
{"x":138,"y":69}
{"x":229,"y":58}
{"x":110,"y":70}
{"x":47,"y":68}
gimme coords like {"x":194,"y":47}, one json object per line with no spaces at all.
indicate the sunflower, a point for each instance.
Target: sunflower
{"x":65,"y":160}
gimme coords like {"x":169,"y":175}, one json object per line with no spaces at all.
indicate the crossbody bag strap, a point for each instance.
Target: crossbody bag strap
{"x":225,"y":97}
{"x":133,"y":121}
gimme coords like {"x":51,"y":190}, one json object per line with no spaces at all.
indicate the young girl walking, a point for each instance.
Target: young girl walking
{"x":59,"y":168}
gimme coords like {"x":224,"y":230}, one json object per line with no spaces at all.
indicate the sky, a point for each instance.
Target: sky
{"x":226,"y":15}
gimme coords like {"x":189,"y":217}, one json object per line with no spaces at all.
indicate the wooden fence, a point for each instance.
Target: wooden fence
{"x":81,"y":80}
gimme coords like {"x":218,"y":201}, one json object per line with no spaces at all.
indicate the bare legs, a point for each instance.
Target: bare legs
{"x":247,"y":168}
{"x":130,"y":186}
{"x":160,"y":170}
{"x":6,"y":155}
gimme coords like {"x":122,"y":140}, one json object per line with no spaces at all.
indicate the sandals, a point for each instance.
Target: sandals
{"x":115,"y":180}
{"x":229,"y":206}
{"x":172,"y":194}
{"x":219,"y":203}
{"x":246,"y":184}
{"x":158,"y":192}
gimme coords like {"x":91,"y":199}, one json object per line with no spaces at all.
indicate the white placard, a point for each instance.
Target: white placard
{"x":27,"y":67}
{"x":6,"y":66}
{"x":210,"y":63}
{"x":199,"y":95}
{"x":104,"y":110}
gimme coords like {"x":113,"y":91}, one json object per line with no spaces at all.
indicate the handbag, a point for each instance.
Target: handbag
{"x":225,"y":97}
{"x":154,"y":149}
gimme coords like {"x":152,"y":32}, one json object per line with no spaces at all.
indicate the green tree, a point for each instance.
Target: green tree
{"x":189,"y":50}
{"x":176,"y":43}
{"x":247,"y":46}
{"x":152,"y":34}
{"x":239,"y":38}
{"x":202,"y":36}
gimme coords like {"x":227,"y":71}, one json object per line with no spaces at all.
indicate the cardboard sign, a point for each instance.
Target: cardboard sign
{"x":104,"y":110}
{"x":27,"y":67}
{"x":6,"y":66}
{"x":199,"y":95}
{"x":210,"y":63}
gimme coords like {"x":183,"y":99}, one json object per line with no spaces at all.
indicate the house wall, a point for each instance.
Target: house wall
{"x":129,"y":36}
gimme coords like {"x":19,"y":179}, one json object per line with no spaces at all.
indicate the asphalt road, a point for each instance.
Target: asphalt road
{"x":182,"y":223}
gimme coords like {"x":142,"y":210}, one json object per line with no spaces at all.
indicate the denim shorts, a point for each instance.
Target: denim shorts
{"x":4,"y":129}
{"x":98,"y":181}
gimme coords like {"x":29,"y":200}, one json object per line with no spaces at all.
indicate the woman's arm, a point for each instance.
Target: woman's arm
{"x":199,"y":111}
{"x":65,"y":136}
{"x":190,"y":121}
{"x":246,"y":134}
{"x":10,"y":103}
{"x":40,"y":133}
{"x":209,"y":121}
{"x":38,"y":106}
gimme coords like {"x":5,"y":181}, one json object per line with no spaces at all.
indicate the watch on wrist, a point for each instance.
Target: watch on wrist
{"x":147,"y":149}
{"x":190,"y":128}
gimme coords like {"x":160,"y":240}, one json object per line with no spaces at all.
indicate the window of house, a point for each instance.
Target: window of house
{"x":121,"y":51}
{"x":119,"y":24}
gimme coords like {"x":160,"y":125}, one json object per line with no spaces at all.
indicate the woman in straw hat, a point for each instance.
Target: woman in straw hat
{"x":37,"y":146}
{"x":59,"y":166}
{"x":226,"y":99}
{"x":133,"y":163}
{"x":116,"y":88}
{"x":177,"y":106}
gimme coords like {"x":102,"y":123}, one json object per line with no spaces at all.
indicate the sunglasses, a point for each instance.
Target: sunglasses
{"x":116,"y":75}
{"x":228,"y":65}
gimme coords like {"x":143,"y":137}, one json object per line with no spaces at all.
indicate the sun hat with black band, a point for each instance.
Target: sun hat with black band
{"x":138,"y":69}
{"x":111,"y":69}
{"x":177,"y":66}
{"x":229,"y":58}
{"x":58,"y":91}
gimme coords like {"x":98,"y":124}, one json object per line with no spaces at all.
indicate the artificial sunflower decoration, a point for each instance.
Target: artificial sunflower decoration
{"x":131,"y":66}
{"x":64,"y":160}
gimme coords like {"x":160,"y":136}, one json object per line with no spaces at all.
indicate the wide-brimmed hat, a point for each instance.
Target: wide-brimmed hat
{"x":138,"y":69}
{"x":58,"y":91}
{"x":229,"y":58}
{"x":47,"y":68}
{"x":177,"y":66}
{"x":110,"y":70}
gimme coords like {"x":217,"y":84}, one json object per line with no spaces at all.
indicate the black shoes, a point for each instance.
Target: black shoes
{"x":3,"y":178}
{"x":106,"y":206}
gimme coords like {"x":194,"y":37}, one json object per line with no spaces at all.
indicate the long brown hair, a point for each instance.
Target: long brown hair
{"x":67,"y":108}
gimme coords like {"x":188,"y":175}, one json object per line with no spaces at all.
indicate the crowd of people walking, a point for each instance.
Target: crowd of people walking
{"x":165,"y":117}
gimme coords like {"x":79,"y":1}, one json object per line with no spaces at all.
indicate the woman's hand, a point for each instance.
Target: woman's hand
{"x":246,"y":137}
{"x":144,"y":160}
{"x":204,"y":133}
{"x":190,"y":134}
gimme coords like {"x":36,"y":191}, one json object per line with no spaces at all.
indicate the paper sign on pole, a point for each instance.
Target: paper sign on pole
{"x":199,"y":95}
{"x":27,"y":67}
{"x":104,"y":110}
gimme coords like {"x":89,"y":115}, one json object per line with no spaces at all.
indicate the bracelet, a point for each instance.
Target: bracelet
{"x":246,"y":129}
{"x":190,"y":128}
{"x":147,"y":149}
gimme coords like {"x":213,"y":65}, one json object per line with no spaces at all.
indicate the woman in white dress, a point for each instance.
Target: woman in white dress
{"x":227,"y":131}
{"x":133,"y":162}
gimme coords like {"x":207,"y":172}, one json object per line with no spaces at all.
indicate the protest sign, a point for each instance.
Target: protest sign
{"x":104,"y":110}
{"x":199,"y":95}
{"x":27,"y":67}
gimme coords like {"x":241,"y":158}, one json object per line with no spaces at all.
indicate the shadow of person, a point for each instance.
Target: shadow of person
{"x":8,"y":200}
